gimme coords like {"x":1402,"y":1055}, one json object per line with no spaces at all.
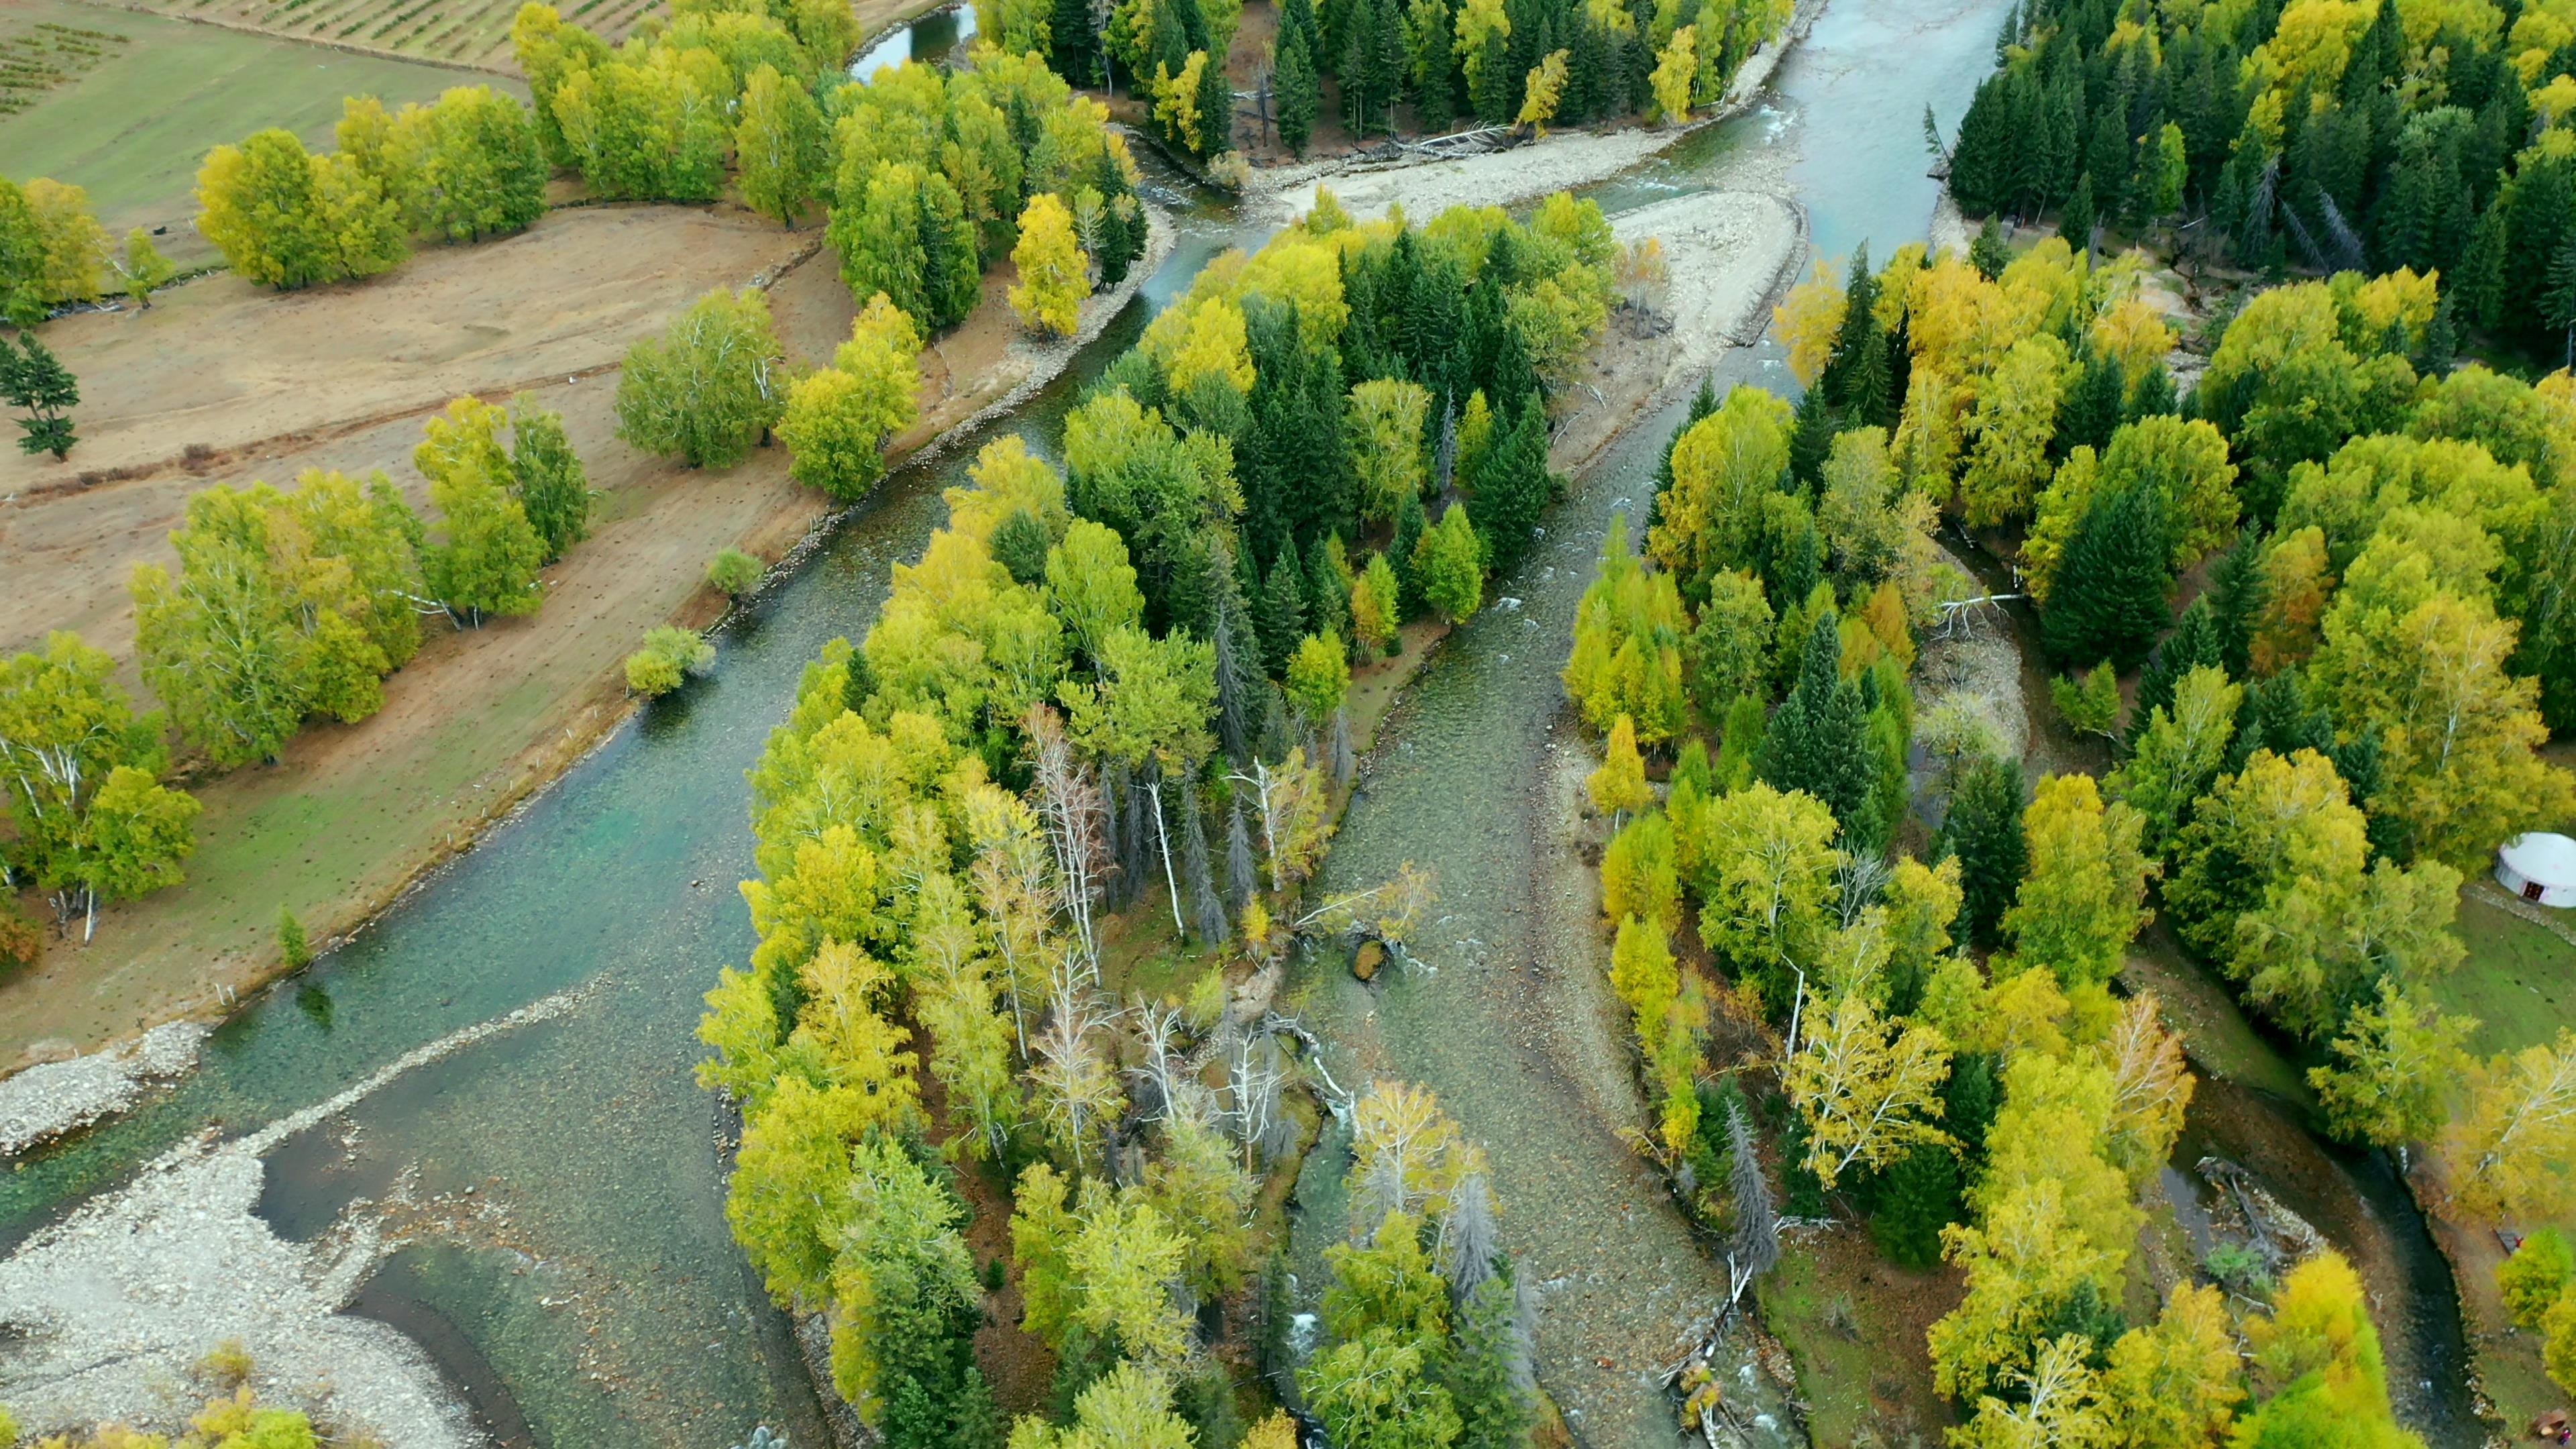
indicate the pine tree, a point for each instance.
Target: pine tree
{"x":1983,"y":829}
{"x":2090,"y":411}
{"x":1860,"y":296}
{"x":2557,"y":304}
{"x":1489,"y":1379}
{"x":1917,"y":1197}
{"x":2108,"y":601}
{"x":1811,"y":438}
{"x":1072,"y":46}
{"x":1300,"y":93}
{"x":36,"y":380}
{"x":1818,"y":740}
{"x":1283,"y":612}
{"x":2075,"y":221}
{"x":1514,"y":488}
{"x":2235,"y":595}
{"x":1216,"y":109}
{"x":1410,"y":523}
{"x":1988,"y":253}
{"x":2193,"y":644}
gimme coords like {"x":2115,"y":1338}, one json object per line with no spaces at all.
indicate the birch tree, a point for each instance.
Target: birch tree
{"x":1868,"y":1089}
{"x":2514,"y":1148}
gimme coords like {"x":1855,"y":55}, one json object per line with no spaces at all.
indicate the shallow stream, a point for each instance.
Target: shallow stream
{"x":584,"y":1289}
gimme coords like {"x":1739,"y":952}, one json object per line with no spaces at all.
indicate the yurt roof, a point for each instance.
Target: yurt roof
{"x":2544,"y":857}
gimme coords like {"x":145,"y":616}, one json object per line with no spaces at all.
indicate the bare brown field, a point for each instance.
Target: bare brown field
{"x":342,"y":378}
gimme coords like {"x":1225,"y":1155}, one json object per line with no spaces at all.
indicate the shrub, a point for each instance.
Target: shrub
{"x":735,"y":572}
{"x":668,"y":657}
{"x":227,"y":1364}
{"x":2535,"y":1276}
{"x":22,"y":941}
{"x":290,"y":940}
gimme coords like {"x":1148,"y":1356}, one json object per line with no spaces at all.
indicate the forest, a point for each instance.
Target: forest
{"x":1105,"y":692}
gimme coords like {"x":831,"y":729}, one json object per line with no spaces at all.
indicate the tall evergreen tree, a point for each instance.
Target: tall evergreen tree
{"x":1818,"y":739}
{"x":1513,"y":488}
{"x":1283,"y":611}
{"x":1918,"y":1195}
{"x":36,"y":380}
{"x":1983,"y":829}
{"x":1299,"y":90}
{"x":2108,"y":601}
{"x":1489,"y":1377}
{"x":2193,"y":644}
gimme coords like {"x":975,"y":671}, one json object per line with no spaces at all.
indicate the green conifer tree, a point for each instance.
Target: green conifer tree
{"x":1283,"y":612}
{"x":1983,"y":829}
{"x":1918,"y":1195}
{"x":1818,"y":740}
{"x":2108,"y":601}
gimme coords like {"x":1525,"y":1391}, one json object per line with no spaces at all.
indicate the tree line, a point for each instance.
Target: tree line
{"x":294,"y":603}
{"x":287,"y":604}
{"x":1498,"y":62}
{"x":2318,"y":133}
{"x":1089,"y":696}
{"x":462,"y":169}
{"x":2340,"y":724}
{"x":53,"y":252}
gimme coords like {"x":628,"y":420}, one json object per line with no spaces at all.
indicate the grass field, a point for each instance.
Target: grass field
{"x":133,"y":127}
{"x":468,"y":32}
{"x":2518,"y":980}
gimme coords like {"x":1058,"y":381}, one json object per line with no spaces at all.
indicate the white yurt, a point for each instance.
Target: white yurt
{"x":2539,"y":867}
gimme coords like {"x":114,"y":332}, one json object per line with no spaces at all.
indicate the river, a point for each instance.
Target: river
{"x":592,"y":1295}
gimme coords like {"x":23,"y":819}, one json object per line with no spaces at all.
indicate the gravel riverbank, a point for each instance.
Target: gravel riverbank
{"x":104,"y":1315}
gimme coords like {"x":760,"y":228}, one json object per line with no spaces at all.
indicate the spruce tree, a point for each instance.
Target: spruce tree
{"x":2235,"y":595}
{"x":2193,"y":644}
{"x":2075,"y":220}
{"x":1283,"y":612}
{"x":1811,"y":438}
{"x":1988,"y":253}
{"x":1300,"y":93}
{"x":1409,"y":525}
{"x":1983,"y":829}
{"x":1818,"y":740}
{"x":1489,"y":1379}
{"x":1869,"y":392}
{"x":1860,"y":295}
{"x":1216,"y":110}
{"x":1918,"y":1195}
{"x":35,"y":379}
{"x":1328,"y":599}
{"x":1072,"y":49}
{"x":2108,"y":601}
{"x":2557,"y":303}
{"x":2090,"y":411}
{"x":1514,"y":489}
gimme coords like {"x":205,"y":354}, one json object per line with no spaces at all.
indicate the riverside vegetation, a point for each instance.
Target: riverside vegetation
{"x":1103,"y":697}
{"x":2340,"y":724}
{"x":289,"y":605}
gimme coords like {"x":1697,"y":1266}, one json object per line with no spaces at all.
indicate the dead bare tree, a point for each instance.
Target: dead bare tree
{"x":1069,"y":806}
{"x":1754,"y":1248}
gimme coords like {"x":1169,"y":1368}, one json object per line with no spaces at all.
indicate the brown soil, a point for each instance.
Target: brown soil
{"x":266,"y":386}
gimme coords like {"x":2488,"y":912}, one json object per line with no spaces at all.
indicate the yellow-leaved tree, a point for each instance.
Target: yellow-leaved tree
{"x":838,"y":419}
{"x":1675,"y":68}
{"x":1544,"y":88}
{"x":1054,"y":274}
